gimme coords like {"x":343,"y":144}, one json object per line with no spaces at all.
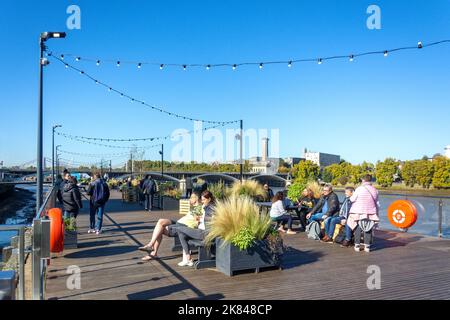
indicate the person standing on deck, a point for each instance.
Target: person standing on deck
{"x":71,"y":197}
{"x":99,"y":192}
{"x":189,"y":187}
{"x":364,"y":213}
{"x":149,"y":190}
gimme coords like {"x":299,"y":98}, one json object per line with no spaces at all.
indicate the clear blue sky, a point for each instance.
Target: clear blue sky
{"x":366,"y":110}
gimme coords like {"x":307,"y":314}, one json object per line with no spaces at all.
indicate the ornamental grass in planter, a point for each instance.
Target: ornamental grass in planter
{"x":244,"y":238}
{"x":249,"y":188}
{"x":70,"y":233}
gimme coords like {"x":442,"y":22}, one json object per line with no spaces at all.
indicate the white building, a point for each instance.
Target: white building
{"x":322,"y":159}
{"x":447,"y":152}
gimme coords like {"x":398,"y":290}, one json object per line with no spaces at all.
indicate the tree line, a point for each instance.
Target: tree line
{"x":425,"y":173}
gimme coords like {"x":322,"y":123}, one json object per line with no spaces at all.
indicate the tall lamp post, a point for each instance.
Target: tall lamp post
{"x":53,"y":151}
{"x":57,"y":159}
{"x":162,"y":160}
{"x":42,"y":62}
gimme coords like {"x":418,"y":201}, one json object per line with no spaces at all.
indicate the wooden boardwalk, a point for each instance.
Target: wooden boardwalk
{"x":412,"y":267}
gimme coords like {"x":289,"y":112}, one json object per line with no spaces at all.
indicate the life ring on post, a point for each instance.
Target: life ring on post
{"x":402,"y":214}
{"x":56,"y":230}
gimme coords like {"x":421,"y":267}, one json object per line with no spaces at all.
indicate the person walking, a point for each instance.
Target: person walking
{"x":71,"y":198}
{"x":189,"y":186}
{"x":149,"y":190}
{"x":99,"y":192}
{"x":364,"y":213}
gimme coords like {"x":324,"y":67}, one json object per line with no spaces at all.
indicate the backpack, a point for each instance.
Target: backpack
{"x":313,"y":230}
{"x":150,"y":187}
{"x":101,"y":193}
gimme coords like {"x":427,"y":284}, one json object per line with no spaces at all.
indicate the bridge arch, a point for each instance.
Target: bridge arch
{"x":215,"y":177}
{"x":156,"y":175}
{"x":271,"y":179}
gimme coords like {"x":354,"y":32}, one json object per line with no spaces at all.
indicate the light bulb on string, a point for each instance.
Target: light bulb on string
{"x":97,"y":63}
{"x":139,"y":65}
{"x":184,"y":67}
{"x":319,"y":61}
{"x":62,"y":57}
{"x":208,"y":67}
{"x":77,"y":59}
{"x":352,"y":57}
{"x":290,"y":64}
{"x":118,"y":63}
{"x":420,"y":45}
{"x":161,"y":66}
{"x":385,"y":53}
{"x":234,"y":67}
{"x":67,"y":66}
{"x":261,"y":65}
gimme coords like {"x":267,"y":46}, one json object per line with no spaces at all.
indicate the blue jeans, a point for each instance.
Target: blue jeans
{"x":348,"y":233}
{"x":148,"y":201}
{"x":286,"y":218}
{"x":96,"y":211}
{"x":316,"y":217}
{"x":330,"y":225}
{"x":68,"y":214}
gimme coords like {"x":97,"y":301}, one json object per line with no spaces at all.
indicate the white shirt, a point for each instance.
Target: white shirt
{"x":277,"y":209}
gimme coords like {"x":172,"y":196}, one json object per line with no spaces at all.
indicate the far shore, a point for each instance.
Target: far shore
{"x":443,"y":193}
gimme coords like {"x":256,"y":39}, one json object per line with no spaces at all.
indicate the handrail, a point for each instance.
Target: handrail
{"x":49,"y":202}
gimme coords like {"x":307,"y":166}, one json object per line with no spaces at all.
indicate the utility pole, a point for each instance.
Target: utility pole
{"x":131,"y":164}
{"x":110,"y":167}
{"x":241,"y":167}
{"x":42,"y":62}
{"x":162,"y":160}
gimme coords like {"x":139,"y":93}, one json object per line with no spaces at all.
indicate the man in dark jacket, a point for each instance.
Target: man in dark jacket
{"x":71,"y":198}
{"x":328,"y":206}
{"x":99,"y":192}
{"x":149,"y":190}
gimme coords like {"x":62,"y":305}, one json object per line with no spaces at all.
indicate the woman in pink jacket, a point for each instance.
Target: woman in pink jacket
{"x":364,"y":213}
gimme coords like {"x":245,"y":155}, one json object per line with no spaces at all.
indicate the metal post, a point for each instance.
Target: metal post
{"x":131,"y":164}
{"x":241,"y":161}
{"x":440,"y":210}
{"x":162,"y":161}
{"x":36,"y":261}
{"x":22,"y":263}
{"x":39,"y":173}
{"x":53,"y":155}
{"x":110,"y":167}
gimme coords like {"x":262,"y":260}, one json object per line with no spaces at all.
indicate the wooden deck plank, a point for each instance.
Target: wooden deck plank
{"x":412,"y":267}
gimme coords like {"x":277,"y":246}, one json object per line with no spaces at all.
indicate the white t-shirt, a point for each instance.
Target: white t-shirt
{"x":277,"y":209}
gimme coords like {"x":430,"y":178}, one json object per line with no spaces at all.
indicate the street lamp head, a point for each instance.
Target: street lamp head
{"x":48,"y":35}
{"x":57,"y":126}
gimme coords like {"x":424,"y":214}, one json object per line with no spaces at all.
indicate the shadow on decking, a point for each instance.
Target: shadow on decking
{"x":101,"y":252}
{"x":168,"y":290}
{"x":293,"y":258}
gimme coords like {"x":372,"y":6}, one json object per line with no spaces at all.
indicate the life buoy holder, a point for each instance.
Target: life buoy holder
{"x":402,"y":214}
{"x":56,"y":230}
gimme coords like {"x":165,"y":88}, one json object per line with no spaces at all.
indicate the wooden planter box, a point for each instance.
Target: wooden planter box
{"x":170,"y":204}
{"x":230,"y":258}
{"x":70,"y":240}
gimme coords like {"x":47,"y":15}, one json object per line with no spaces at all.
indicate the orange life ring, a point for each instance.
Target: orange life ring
{"x":56,"y":230}
{"x":402,"y":214}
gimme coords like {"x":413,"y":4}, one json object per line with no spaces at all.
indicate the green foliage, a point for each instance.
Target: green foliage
{"x":409,"y":173}
{"x":295,"y":190}
{"x":243,"y":239}
{"x":441,"y":176}
{"x":70,"y":224}
{"x":424,"y":173}
{"x":385,"y":171}
{"x":219,"y":190}
{"x":306,"y":171}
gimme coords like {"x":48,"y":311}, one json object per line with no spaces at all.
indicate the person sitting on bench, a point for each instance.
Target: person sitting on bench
{"x":185,"y":234}
{"x":279,"y":214}
{"x":169,"y":228}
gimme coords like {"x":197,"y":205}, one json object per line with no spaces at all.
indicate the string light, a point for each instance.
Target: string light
{"x":261,"y":65}
{"x":118,"y":63}
{"x":62,"y":57}
{"x":97,"y":63}
{"x":352,"y":58}
{"x":385,"y":53}
{"x":122,"y":94}
{"x":234,"y":67}
{"x":319,"y":61}
{"x":290,"y":64}
{"x":139,"y":65}
{"x":419,"y":45}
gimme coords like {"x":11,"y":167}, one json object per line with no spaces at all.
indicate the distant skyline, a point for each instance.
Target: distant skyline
{"x":366,"y":110}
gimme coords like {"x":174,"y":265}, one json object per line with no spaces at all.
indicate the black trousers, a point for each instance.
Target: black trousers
{"x":148,"y":201}
{"x":302,"y":213}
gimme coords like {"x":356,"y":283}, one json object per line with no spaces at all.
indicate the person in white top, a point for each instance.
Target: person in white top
{"x":279,"y":214}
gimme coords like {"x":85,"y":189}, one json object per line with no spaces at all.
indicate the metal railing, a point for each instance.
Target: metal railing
{"x":39,"y":249}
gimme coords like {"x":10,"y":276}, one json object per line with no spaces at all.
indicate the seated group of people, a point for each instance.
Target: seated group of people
{"x":358,"y":213}
{"x":193,"y":226}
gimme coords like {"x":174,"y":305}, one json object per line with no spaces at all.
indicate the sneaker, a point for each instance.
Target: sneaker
{"x":97,"y":232}
{"x":345,"y":244}
{"x":186,"y":263}
{"x":357,"y":248}
{"x":91,"y":231}
{"x":367,"y":248}
{"x":327,"y":239}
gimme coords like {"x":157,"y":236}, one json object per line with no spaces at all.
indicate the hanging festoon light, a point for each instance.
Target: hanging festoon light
{"x":208,"y":67}
{"x":67,"y":66}
{"x":351,"y":58}
{"x":109,"y":89}
{"x":161,"y":66}
{"x":184,"y":67}
{"x":290,"y":64}
{"x":118,"y":63}
{"x":234,"y":66}
{"x":261,"y":65}
{"x":385,"y":53}
{"x":319,"y":61}
{"x":139,"y":65}
{"x":97,"y":63}
{"x":420,"y":45}
{"x":77,"y":59}
{"x":62,"y":57}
